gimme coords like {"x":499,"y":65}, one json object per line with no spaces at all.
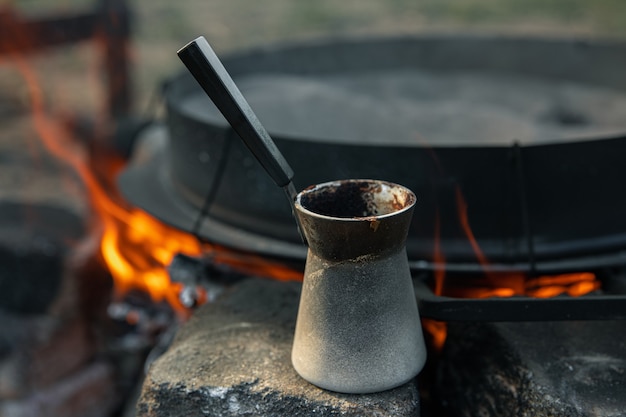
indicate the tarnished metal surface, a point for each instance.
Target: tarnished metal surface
{"x":358,"y":327}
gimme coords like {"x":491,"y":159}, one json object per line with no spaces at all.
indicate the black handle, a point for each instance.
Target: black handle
{"x":208,"y":70}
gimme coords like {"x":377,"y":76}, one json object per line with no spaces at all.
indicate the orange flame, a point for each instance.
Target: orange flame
{"x":439,"y":260}
{"x":494,"y":284}
{"x":574,"y":284}
{"x":132,"y":267}
{"x":437,"y":330}
{"x":464,"y":221}
{"x":511,"y":283}
{"x":136,"y":247}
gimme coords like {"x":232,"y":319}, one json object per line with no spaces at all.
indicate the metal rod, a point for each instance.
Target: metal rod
{"x":526,"y":222}
{"x":213,"y":187}
{"x":207,"y":69}
{"x":586,"y":307}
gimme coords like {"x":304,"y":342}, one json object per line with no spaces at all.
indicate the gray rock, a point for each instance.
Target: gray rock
{"x":233,"y":359}
{"x":534,"y":369}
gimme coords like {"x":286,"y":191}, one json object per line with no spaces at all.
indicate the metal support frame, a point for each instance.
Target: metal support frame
{"x":586,"y":307}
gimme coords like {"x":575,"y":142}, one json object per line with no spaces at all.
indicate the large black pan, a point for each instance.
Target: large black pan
{"x":543,"y":207}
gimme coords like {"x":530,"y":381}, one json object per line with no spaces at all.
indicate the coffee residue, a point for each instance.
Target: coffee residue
{"x":348,"y":200}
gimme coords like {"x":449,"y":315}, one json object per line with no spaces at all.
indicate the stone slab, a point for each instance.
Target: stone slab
{"x":233,"y":359}
{"x":534,"y":369}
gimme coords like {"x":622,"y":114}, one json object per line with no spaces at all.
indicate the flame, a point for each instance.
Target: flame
{"x":436,"y":333}
{"x":495,"y":284}
{"x":464,"y":222}
{"x":439,"y":260}
{"x":574,"y":284}
{"x":134,"y":266}
{"x":135,"y":247}
{"x":516,"y":283}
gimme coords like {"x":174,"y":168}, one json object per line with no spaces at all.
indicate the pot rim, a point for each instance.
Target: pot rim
{"x":410,"y":202}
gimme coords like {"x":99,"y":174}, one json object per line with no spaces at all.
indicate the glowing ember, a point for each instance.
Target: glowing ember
{"x":574,"y":284}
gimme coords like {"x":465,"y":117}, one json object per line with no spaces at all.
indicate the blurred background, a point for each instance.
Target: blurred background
{"x":164,"y":26}
{"x":160,"y":27}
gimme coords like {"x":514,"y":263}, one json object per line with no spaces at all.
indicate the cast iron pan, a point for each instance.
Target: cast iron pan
{"x":547,"y":207}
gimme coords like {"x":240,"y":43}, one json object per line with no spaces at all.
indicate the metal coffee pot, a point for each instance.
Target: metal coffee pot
{"x":358,"y":327}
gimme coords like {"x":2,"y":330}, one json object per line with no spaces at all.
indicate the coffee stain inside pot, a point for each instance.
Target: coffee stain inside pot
{"x":354,"y":199}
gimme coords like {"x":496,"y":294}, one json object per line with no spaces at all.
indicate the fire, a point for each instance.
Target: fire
{"x":496,"y":284}
{"x":134,"y":246}
{"x":511,"y":283}
{"x":140,"y":264}
{"x":438,"y":259}
{"x":575,"y":284}
{"x":437,"y":330}
{"x":137,"y":249}
{"x":134,"y":266}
